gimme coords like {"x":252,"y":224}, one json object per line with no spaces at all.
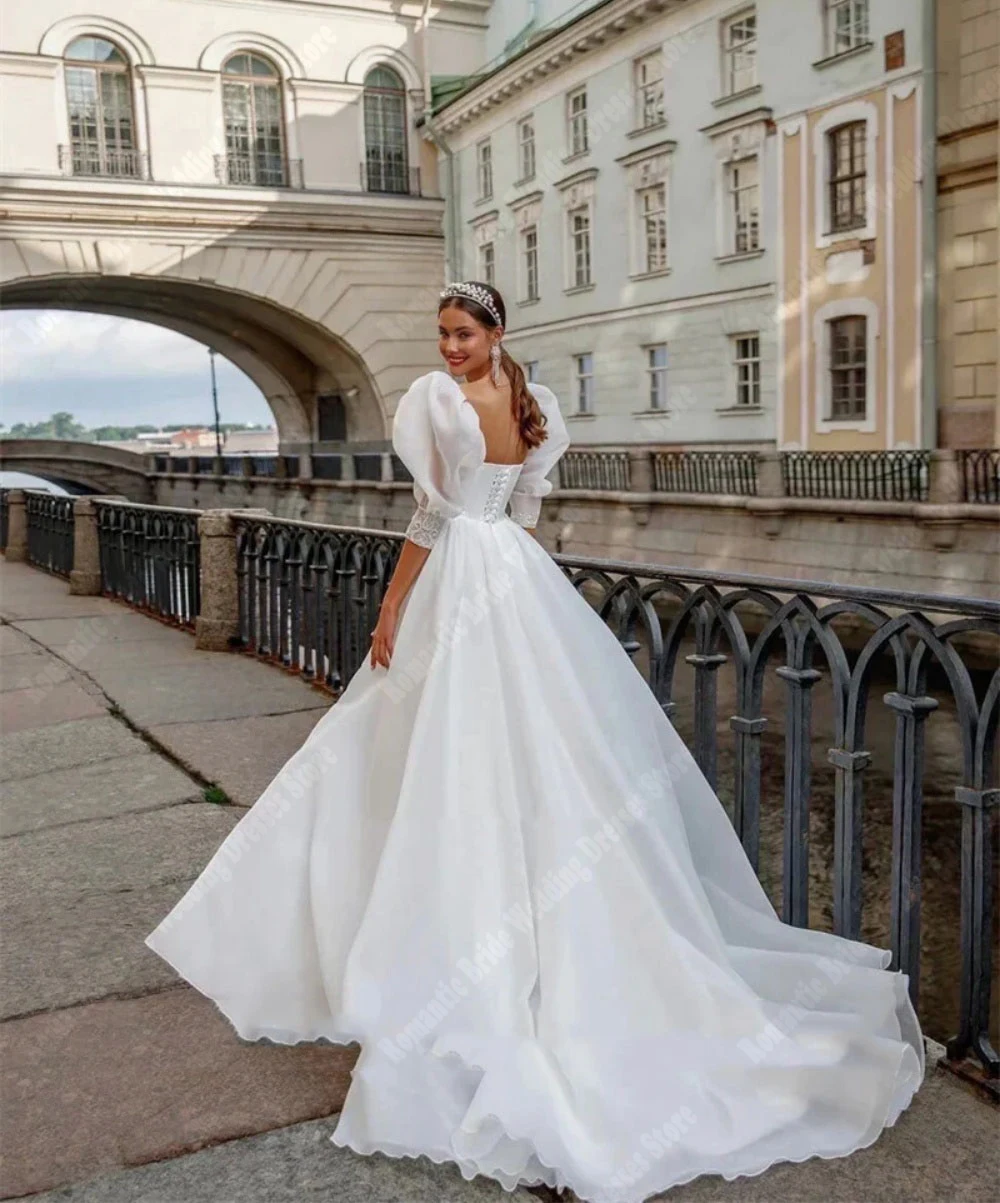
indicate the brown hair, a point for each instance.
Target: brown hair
{"x":530,"y":419}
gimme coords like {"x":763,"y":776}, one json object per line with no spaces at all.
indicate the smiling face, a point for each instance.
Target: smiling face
{"x":464,"y":342}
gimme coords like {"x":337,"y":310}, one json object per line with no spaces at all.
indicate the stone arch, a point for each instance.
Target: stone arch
{"x":375,"y":56}
{"x":217,"y":51}
{"x":58,"y":36}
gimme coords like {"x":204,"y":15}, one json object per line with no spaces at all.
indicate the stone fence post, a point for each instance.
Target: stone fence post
{"x":85,"y":575}
{"x":17,"y":527}
{"x":641,"y":469}
{"x":944,"y":479}
{"x":770,"y":482}
{"x":218,"y":621}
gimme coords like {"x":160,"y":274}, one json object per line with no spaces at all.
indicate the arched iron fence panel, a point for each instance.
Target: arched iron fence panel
{"x":49,"y":518}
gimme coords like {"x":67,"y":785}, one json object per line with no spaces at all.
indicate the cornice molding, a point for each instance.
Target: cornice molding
{"x":666,"y":147}
{"x":549,"y":56}
{"x":578,"y":177}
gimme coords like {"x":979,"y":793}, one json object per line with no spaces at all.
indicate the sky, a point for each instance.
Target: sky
{"x":110,"y":371}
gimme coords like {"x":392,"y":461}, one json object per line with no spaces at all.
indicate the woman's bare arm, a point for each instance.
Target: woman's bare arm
{"x":411,"y":561}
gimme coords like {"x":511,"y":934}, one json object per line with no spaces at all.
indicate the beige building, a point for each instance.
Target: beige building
{"x":968,"y":276}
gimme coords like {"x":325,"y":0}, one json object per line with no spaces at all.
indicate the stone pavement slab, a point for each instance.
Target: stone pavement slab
{"x":122,"y":1082}
{"x":62,"y":745}
{"x":141,"y":781}
{"x":28,"y":669}
{"x":41,"y":705}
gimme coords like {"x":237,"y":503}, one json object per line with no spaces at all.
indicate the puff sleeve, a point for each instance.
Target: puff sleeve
{"x":532,"y":483}
{"x":439,"y":450}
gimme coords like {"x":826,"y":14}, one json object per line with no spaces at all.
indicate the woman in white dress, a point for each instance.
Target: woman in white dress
{"x":495,"y":866}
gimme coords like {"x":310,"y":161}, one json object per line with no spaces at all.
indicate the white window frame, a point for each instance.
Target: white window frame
{"x":730,"y":226}
{"x":526,"y":159}
{"x":583,"y":383}
{"x":484,"y":169}
{"x":526,"y":293}
{"x":577,"y":123}
{"x":845,"y":307}
{"x":731,"y":53}
{"x":857,"y":110}
{"x":487,"y":265}
{"x":572,"y":282}
{"x":859,"y":18}
{"x":642,"y":229}
{"x":657,"y":378}
{"x":648,"y":88}
{"x":735,"y":362}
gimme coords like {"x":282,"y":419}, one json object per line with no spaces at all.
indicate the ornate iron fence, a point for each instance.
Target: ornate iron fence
{"x":605,"y":470}
{"x":49,"y":519}
{"x":115,"y":162}
{"x":981,"y":476}
{"x":716,"y":472}
{"x":150,"y":558}
{"x":857,"y":475}
{"x":259,"y":170}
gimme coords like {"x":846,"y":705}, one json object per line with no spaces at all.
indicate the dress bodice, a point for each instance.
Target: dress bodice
{"x":489,"y":490}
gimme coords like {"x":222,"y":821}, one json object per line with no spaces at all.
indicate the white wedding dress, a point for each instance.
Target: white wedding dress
{"x":496,"y":867}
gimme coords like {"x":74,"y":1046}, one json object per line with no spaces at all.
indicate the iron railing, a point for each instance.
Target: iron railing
{"x":716,"y":472}
{"x":389,"y":177}
{"x":112,"y":162}
{"x":49,"y":519}
{"x":604,"y":470}
{"x":857,"y":475}
{"x":309,"y":596}
{"x":260,"y":171}
{"x":981,"y":476}
{"x":151,"y":558}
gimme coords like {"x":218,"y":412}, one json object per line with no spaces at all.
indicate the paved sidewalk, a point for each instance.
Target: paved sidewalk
{"x":121,"y":1084}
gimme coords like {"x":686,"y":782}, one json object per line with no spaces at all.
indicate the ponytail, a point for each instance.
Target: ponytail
{"x":527,"y":412}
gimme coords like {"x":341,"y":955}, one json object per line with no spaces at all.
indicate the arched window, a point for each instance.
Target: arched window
{"x":252,"y":110}
{"x":101,"y":117}
{"x":385,"y":132}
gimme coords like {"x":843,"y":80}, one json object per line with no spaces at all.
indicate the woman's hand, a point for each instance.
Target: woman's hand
{"x":384,"y":635}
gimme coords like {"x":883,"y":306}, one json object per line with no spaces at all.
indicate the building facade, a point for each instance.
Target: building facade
{"x":650,"y":186}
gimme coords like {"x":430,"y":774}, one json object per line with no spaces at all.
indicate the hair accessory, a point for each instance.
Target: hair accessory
{"x":474,"y":292}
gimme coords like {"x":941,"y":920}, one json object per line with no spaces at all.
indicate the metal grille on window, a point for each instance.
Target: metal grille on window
{"x":386,"y":162}
{"x":847,"y":176}
{"x":251,"y":107}
{"x":101,"y":118}
{"x":848,"y":367}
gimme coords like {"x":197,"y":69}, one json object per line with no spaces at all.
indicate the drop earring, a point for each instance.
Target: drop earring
{"x":495,"y":364}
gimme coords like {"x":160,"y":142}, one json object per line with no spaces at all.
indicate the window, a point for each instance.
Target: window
{"x":251,"y":108}
{"x":386,"y":159}
{"x":526,"y":148}
{"x":847,"y":178}
{"x":656,"y":370}
{"x":484,"y":169}
{"x":848,"y":368}
{"x":576,"y":117}
{"x":653,"y":227}
{"x":739,"y":53}
{"x":529,"y":264}
{"x":101,"y":120}
{"x":531,"y":371}
{"x":579,"y":235}
{"x":846,"y":25}
{"x":743,"y":206}
{"x":487,"y":263}
{"x":585,"y":384}
{"x":649,"y":90}
{"x":746,"y":361}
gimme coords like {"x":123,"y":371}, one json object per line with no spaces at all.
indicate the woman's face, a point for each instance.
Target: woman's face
{"x":463,"y":342}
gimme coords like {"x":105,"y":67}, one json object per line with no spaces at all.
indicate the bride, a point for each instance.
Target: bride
{"x":495,"y":866}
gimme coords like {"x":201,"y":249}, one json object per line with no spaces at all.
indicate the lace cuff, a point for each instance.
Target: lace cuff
{"x":525,"y":509}
{"x":425,"y":527}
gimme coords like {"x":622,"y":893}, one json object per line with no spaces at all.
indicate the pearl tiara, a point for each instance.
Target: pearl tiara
{"x":475,"y":293}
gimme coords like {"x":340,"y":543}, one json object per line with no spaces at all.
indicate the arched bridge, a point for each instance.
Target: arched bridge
{"x":80,"y":467}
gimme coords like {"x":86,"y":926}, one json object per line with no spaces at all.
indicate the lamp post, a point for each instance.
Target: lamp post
{"x":215,"y":402}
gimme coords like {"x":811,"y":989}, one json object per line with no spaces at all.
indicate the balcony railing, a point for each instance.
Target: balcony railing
{"x":260,"y":171}
{"x":857,"y":475}
{"x":97,"y":161}
{"x":981,"y":476}
{"x":607,"y":470}
{"x":717,"y":472}
{"x":390,"y":178}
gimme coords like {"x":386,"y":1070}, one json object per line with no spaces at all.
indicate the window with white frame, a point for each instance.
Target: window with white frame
{"x":848,"y":175}
{"x":652,"y":203}
{"x":656,"y":371}
{"x":649,"y":108}
{"x":579,"y":246}
{"x":487,"y":263}
{"x":742,"y":205}
{"x":529,"y":263}
{"x":585,"y":383}
{"x":739,"y":52}
{"x":484,"y":168}
{"x":577,"y":136}
{"x":101,"y":118}
{"x":526,"y":148}
{"x":531,"y":371}
{"x":746,"y":370}
{"x":846,"y":25}
{"x":848,"y":359}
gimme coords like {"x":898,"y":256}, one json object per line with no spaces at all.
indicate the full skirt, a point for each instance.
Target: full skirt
{"x":497,"y":868}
